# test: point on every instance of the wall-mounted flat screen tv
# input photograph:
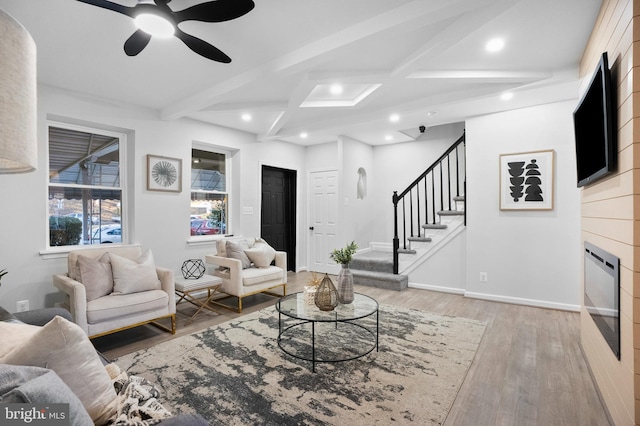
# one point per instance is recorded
(594, 122)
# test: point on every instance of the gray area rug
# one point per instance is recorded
(235, 373)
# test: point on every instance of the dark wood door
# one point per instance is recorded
(278, 223)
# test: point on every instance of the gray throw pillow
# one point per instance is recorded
(133, 276)
(236, 251)
(35, 385)
(96, 276)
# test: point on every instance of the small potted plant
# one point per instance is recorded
(344, 256)
(3, 272)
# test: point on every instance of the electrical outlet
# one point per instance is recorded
(22, 305)
(484, 277)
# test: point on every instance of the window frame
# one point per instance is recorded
(227, 178)
(122, 159)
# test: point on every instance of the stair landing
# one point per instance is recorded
(375, 269)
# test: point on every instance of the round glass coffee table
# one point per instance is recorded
(346, 333)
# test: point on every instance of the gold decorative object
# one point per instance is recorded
(326, 295)
(314, 281)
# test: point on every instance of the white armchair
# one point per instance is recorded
(108, 311)
(262, 271)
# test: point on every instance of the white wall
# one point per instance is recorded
(445, 269)
(358, 223)
(531, 257)
(158, 220)
(397, 166)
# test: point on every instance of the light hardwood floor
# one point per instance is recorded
(529, 369)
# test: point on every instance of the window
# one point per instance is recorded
(209, 196)
(85, 186)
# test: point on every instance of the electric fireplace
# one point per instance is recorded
(602, 293)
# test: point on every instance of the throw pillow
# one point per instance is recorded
(21, 384)
(261, 254)
(96, 276)
(221, 248)
(7, 316)
(14, 334)
(63, 347)
(133, 276)
(235, 250)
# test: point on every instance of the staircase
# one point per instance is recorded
(430, 210)
(375, 269)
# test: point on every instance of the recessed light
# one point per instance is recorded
(246, 117)
(431, 114)
(506, 96)
(304, 135)
(388, 138)
(336, 89)
(394, 118)
(495, 45)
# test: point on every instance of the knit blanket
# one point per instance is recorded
(137, 401)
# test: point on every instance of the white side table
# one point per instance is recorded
(186, 287)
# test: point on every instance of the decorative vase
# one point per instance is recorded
(326, 295)
(345, 285)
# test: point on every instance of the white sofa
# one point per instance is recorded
(263, 270)
(117, 310)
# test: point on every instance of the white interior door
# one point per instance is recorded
(323, 219)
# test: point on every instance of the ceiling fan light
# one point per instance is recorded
(155, 25)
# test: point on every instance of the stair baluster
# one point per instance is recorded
(458, 150)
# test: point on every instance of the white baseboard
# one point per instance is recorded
(521, 301)
(380, 246)
(497, 298)
(438, 288)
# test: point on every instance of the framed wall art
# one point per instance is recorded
(526, 180)
(164, 173)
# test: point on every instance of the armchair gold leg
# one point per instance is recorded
(171, 329)
(155, 323)
(239, 305)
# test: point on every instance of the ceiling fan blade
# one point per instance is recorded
(136, 43)
(215, 11)
(105, 4)
(202, 48)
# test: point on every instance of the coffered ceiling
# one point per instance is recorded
(309, 71)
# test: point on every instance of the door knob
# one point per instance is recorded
(311, 228)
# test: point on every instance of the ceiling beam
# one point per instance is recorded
(462, 27)
(242, 106)
(414, 13)
(485, 76)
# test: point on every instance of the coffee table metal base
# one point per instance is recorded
(286, 332)
(313, 358)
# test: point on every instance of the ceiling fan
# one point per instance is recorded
(155, 17)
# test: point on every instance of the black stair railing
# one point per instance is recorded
(438, 183)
